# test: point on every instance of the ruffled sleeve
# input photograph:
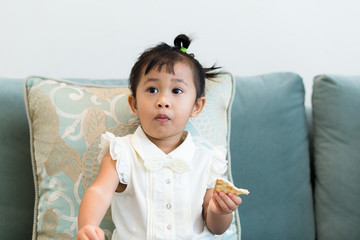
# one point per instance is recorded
(218, 165)
(117, 149)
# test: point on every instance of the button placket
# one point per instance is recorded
(169, 217)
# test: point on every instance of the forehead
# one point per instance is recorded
(179, 70)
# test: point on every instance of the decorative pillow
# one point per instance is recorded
(269, 151)
(66, 121)
(336, 118)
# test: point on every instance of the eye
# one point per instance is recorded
(152, 90)
(177, 91)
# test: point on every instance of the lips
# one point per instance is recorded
(162, 118)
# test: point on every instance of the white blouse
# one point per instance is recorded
(164, 194)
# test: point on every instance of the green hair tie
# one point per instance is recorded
(184, 50)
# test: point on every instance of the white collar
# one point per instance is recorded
(154, 158)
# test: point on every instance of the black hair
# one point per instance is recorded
(163, 55)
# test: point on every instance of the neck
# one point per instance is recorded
(167, 145)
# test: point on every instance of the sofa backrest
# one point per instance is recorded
(270, 156)
(16, 179)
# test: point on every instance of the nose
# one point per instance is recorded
(163, 102)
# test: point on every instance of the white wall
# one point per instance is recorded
(103, 38)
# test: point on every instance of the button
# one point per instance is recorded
(168, 206)
(168, 227)
(168, 181)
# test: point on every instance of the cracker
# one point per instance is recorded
(223, 185)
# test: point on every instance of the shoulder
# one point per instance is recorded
(108, 138)
(214, 156)
(118, 149)
(114, 145)
(204, 146)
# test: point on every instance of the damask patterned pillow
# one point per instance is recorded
(66, 121)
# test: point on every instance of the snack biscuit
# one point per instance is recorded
(223, 185)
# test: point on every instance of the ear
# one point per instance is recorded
(132, 104)
(198, 107)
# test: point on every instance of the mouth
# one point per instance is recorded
(162, 118)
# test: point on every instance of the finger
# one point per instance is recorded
(221, 202)
(81, 237)
(100, 233)
(236, 199)
(214, 198)
(232, 201)
(230, 204)
(93, 235)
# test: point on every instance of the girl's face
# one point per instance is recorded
(164, 102)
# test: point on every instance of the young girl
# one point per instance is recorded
(158, 180)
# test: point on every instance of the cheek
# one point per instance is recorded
(187, 108)
(143, 108)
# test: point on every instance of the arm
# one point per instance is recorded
(218, 210)
(97, 200)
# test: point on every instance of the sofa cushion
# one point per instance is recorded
(269, 151)
(16, 179)
(336, 117)
(67, 120)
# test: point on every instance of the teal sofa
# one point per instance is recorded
(301, 164)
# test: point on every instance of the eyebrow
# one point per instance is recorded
(173, 80)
